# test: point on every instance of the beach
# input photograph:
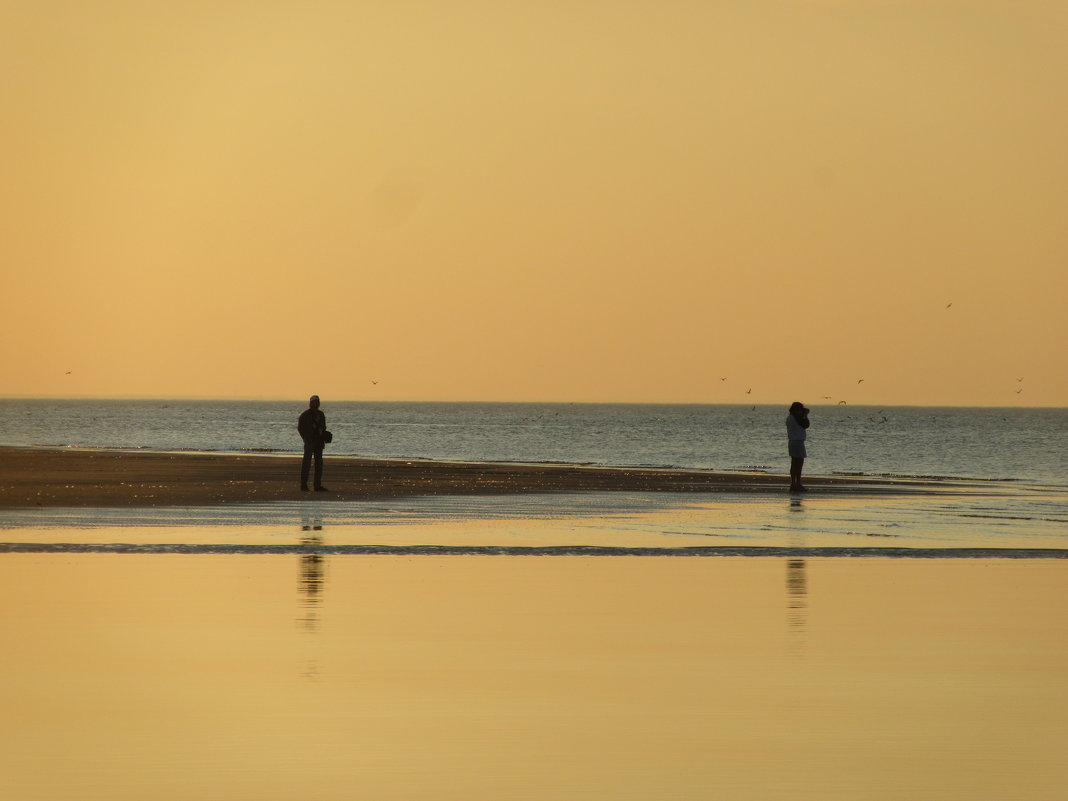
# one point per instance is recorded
(192, 624)
(85, 477)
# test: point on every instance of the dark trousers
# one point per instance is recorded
(311, 450)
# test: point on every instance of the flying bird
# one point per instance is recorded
(749, 391)
(949, 304)
(1019, 391)
(1019, 379)
(860, 380)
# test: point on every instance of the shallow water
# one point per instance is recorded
(1010, 517)
(325, 677)
(414, 648)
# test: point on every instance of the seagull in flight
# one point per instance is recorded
(860, 380)
(949, 304)
(749, 391)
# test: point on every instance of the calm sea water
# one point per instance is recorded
(1029, 445)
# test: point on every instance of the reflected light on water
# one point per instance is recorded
(530, 677)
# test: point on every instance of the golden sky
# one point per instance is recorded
(628, 200)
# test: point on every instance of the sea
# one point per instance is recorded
(999, 476)
(994, 444)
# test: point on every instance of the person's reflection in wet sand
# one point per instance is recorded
(312, 575)
(311, 583)
(796, 594)
(796, 578)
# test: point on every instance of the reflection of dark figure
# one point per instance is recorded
(797, 431)
(312, 428)
(312, 578)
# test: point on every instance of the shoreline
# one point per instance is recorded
(62, 477)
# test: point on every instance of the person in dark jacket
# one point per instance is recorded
(312, 428)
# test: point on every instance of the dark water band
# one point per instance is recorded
(547, 550)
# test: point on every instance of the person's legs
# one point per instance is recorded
(319, 468)
(305, 467)
(796, 466)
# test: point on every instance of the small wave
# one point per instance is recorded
(1025, 518)
(919, 476)
(79, 446)
(552, 550)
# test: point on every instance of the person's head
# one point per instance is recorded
(313, 402)
(797, 408)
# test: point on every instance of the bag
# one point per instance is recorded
(328, 437)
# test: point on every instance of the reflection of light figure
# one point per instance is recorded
(796, 594)
(796, 578)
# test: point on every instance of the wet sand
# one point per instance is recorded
(319, 677)
(72, 478)
(295, 660)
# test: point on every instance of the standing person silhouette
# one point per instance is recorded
(312, 428)
(797, 431)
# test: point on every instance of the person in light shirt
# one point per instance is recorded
(797, 431)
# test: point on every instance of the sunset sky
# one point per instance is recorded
(571, 201)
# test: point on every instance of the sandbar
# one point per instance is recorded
(67, 477)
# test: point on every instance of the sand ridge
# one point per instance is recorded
(84, 477)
